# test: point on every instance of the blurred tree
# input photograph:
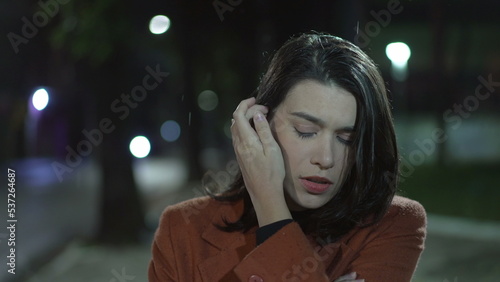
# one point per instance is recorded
(440, 90)
(188, 19)
(97, 35)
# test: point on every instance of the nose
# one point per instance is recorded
(323, 154)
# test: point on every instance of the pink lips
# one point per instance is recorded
(311, 184)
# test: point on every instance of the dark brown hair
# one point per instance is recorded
(365, 194)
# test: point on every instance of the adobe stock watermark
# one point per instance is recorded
(382, 19)
(453, 116)
(221, 179)
(221, 7)
(122, 108)
(302, 271)
(48, 10)
(121, 277)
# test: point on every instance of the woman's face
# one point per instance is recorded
(314, 127)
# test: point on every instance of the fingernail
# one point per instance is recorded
(259, 117)
(353, 274)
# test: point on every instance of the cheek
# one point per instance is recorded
(342, 163)
(344, 157)
(279, 133)
(290, 146)
(340, 156)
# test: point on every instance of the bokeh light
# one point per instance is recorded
(159, 24)
(398, 53)
(208, 100)
(140, 147)
(40, 99)
(170, 130)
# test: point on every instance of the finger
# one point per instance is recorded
(243, 106)
(245, 151)
(241, 126)
(254, 110)
(250, 112)
(243, 143)
(264, 132)
(346, 278)
(241, 110)
(246, 142)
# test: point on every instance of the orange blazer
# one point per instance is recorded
(188, 247)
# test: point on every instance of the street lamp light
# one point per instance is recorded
(140, 147)
(159, 24)
(398, 53)
(40, 99)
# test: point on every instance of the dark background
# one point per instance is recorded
(89, 53)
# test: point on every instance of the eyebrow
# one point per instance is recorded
(319, 121)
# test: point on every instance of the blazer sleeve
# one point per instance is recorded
(388, 251)
(391, 253)
(162, 266)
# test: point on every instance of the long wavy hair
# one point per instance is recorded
(366, 193)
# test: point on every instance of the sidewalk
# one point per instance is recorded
(459, 250)
(80, 262)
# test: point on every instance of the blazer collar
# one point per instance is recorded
(218, 238)
(232, 246)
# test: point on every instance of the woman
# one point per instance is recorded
(315, 197)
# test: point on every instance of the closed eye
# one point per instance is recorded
(304, 134)
(347, 142)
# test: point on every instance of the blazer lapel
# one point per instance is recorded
(227, 244)
(232, 247)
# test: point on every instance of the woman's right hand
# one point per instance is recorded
(351, 277)
(261, 162)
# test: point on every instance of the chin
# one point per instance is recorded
(313, 205)
(308, 201)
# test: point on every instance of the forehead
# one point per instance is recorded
(328, 102)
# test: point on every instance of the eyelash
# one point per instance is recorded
(345, 142)
(304, 135)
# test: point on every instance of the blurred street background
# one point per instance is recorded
(112, 110)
